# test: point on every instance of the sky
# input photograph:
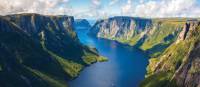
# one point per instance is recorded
(104, 8)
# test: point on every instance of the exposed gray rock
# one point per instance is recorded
(120, 27)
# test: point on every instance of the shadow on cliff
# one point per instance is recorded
(159, 48)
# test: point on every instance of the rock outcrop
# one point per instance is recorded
(178, 66)
(188, 75)
(120, 27)
(184, 32)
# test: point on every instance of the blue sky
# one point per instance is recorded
(141, 8)
(104, 8)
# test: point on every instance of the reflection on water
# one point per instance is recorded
(125, 68)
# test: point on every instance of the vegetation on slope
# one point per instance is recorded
(171, 61)
(161, 36)
(19, 50)
(161, 79)
(152, 36)
(162, 31)
(71, 68)
(90, 58)
(39, 51)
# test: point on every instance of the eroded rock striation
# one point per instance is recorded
(120, 27)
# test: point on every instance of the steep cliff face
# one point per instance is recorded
(151, 35)
(119, 28)
(23, 62)
(58, 33)
(179, 63)
(40, 51)
(162, 34)
(189, 73)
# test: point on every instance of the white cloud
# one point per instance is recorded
(96, 2)
(168, 8)
(127, 8)
(141, 1)
(112, 2)
(33, 6)
(97, 8)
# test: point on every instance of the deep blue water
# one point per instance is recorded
(126, 66)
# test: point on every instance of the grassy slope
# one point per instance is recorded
(161, 36)
(70, 67)
(167, 64)
(162, 33)
(22, 51)
(158, 35)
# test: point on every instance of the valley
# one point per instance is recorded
(60, 51)
(126, 66)
(170, 43)
(99, 43)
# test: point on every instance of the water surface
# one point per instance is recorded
(126, 66)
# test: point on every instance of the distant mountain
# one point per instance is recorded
(41, 51)
(82, 24)
(119, 27)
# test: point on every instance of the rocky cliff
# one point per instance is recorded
(40, 51)
(151, 35)
(178, 66)
(120, 27)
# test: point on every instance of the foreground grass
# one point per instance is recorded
(158, 80)
(102, 59)
(91, 58)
